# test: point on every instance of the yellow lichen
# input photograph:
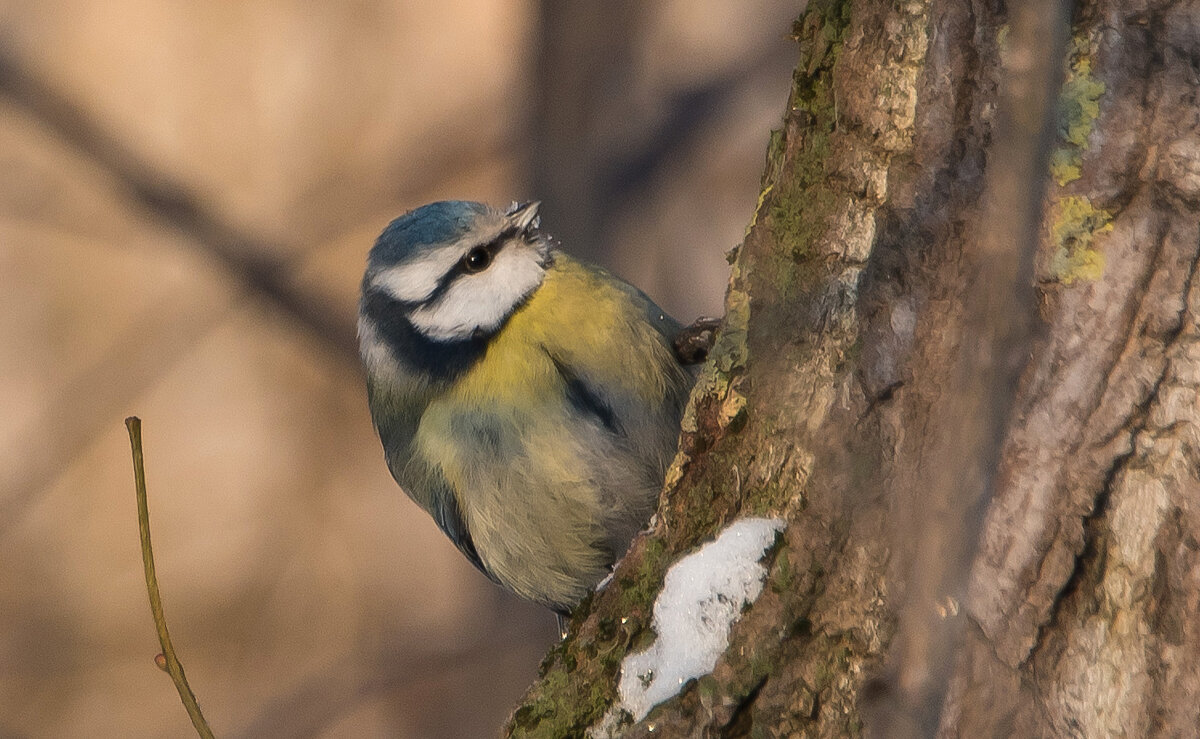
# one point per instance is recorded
(1075, 223)
(1066, 165)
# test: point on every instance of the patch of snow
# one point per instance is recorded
(702, 596)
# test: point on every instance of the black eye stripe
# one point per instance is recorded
(491, 248)
(494, 246)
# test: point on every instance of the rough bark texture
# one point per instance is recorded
(823, 399)
(1085, 595)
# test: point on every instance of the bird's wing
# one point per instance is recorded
(450, 520)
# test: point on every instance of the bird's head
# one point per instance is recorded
(443, 278)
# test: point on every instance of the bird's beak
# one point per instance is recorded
(525, 216)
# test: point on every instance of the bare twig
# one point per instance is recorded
(172, 664)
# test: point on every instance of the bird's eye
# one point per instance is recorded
(477, 260)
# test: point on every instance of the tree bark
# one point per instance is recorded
(1067, 603)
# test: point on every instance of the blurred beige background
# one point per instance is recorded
(187, 194)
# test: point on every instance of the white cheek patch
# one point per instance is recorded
(415, 281)
(481, 301)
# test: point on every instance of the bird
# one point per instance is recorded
(528, 401)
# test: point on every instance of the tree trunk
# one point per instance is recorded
(1055, 589)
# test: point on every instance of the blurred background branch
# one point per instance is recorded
(188, 198)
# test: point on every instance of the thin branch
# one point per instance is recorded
(172, 664)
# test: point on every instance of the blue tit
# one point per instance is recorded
(529, 402)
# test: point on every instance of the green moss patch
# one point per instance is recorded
(1078, 109)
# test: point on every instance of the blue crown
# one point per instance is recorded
(436, 223)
